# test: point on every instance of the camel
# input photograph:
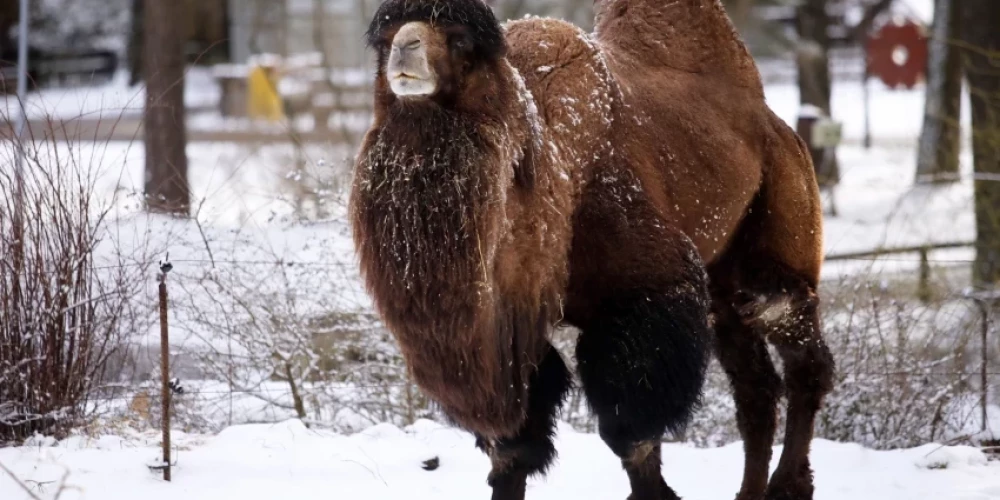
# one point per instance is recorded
(631, 183)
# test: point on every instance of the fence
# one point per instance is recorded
(397, 389)
(924, 273)
(399, 398)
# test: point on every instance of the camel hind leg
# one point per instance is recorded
(743, 355)
(782, 307)
(785, 266)
(773, 272)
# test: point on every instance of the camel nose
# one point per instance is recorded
(409, 53)
(408, 43)
(408, 69)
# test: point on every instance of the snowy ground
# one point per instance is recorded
(112, 100)
(287, 460)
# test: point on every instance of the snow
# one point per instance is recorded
(110, 101)
(288, 460)
(921, 10)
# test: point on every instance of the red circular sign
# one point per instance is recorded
(897, 54)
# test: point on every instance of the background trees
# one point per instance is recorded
(167, 189)
(980, 45)
(939, 144)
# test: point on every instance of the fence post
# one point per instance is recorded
(987, 301)
(165, 367)
(923, 287)
(984, 360)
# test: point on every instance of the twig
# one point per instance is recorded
(19, 483)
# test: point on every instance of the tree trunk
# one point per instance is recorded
(937, 159)
(167, 188)
(980, 55)
(9, 14)
(813, 61)
(135, 37)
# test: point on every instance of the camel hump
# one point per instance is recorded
(695, 36)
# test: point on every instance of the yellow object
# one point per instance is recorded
(262, 96)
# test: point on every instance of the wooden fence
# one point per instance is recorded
(923, 279)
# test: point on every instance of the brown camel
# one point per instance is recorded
(523, 176)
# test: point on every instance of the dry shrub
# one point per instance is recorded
(62, 307)
(903, 377)
(903, 373)
(299, 337)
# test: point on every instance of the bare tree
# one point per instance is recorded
(167, 189)
(937, 158)
(981, 52)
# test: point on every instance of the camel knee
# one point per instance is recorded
(786, 314)
(808, 363)
(774, 300)
(778, 314)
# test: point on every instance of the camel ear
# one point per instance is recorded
(524, 170)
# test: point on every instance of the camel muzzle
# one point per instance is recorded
(408, 69)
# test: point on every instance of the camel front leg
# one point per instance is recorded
(531, 451)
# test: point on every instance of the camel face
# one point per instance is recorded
(409, 70)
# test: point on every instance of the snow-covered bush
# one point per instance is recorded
(81, 24)
(64, 311)
(902, 378)
(299, 338)
(277, 330)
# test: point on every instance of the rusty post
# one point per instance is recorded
(983, 371)
(165, 369)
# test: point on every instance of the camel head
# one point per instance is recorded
(439, 50)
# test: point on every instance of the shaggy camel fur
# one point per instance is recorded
(521, 176)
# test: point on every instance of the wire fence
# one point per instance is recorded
(345, 386)
(353, 266)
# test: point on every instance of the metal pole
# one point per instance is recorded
(22, 66)
(868, 111)
(22, 118)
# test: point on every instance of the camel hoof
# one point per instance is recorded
(667, 493)
(791, 492)
(666, 496)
